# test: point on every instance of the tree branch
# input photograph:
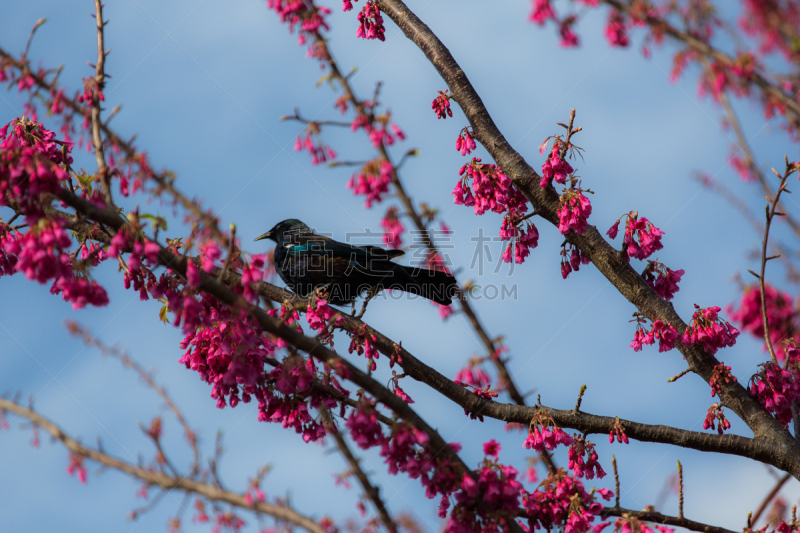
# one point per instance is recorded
(545, 202)
(370, 490)
(166, 482)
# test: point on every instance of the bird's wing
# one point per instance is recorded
(317, 245)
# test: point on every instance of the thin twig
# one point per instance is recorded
(771, 212)
(769, 497)
(100, 80)
(167, 482)
(370, 490)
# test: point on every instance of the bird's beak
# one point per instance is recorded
(267, 235)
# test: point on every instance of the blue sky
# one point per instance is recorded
(203, 84)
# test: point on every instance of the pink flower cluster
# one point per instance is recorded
(720, 376)
(765, 20)
(30, 157)
(444, 310)
(497, 489)
(573, 211)
(617, 432)
(318, 315)
(776, 388)
(441, 105)
(615, 30)
(642, 238)
(473, 375)
(365, 429)
(40, 254)
(90, 90)
(569, 39)
(576, 259)
(722, 77)
(631, 524)
(229, 350)
(543, 433)
(580, 467)
(76, 466)
(320, 153)
(370, 23)
(252, 272)
(373, 180)
(554, 168)
(309, 17)
(381, 135)
(522, 240)
(663, 332)
(663, 279)
(392, 229)
(8, 262)
(465, 143)
(780, 316)
(363, 343)
(716, 415)
(492, 449)
(562, 501)
(709, 331)
(491, 189)
(541, 11)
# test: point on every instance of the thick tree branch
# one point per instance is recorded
(311, 346)
(760, 449)
(658, 518)
(276, 327)
(545, 202)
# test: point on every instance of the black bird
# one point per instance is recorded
(307, 261)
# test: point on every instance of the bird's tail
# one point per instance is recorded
(431, 284)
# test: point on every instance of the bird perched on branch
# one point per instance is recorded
(307, 261)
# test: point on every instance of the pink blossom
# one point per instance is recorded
(615, 29)
(363, 343)
(589, 467)
(441, 105)
(444, 310)
(370, 23)
(522, 240)
(776, 388)
(541, 11)
(573, 211)
(392, 229)
(780, 316)
(492, 448)
(715, 413)
(474, 375)
(192, 275)
(76, 466)
(493, 190)
(562, 501)
(372, 181)
(572, 259)
(663, 279)
(555, 168)
(543, 433)
(569, 39)
(642, 238)
(365, 430)
(465, 143)
(709, 331)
